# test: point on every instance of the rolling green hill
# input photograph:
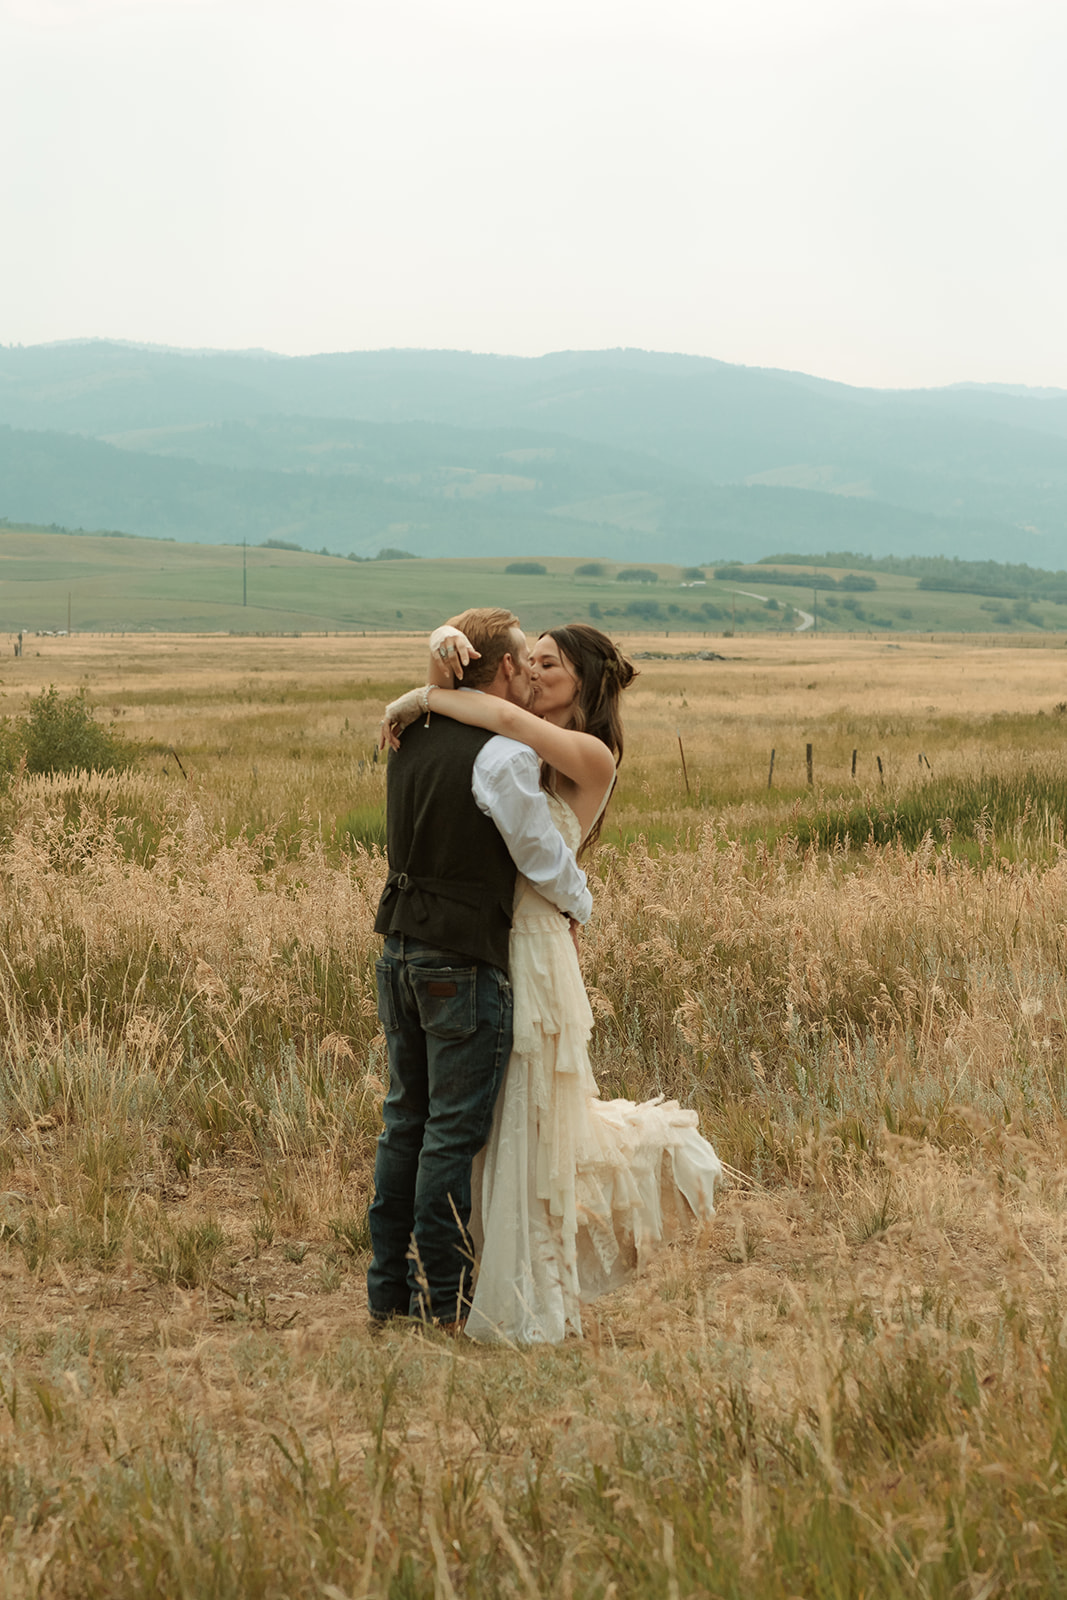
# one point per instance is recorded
(116, 584)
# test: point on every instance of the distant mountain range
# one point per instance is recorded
(622, 453)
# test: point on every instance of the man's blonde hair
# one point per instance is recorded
(489, 630)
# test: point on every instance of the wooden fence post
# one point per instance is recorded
(811, 779)
(681, 752)
(855, 753)
(881, 774)
(770, 774)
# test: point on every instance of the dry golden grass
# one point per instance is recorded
(961, 676)
(851, 1383)
(267, 728)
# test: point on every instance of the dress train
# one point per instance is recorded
(571, 1192)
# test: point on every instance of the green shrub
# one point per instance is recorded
(590, 569)
(527, 569)
(637, 575)
(60, 734)
(858, 584)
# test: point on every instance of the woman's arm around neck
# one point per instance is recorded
(580, 757)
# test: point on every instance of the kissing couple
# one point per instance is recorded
(506, 1192)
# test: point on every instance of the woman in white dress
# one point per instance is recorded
(573, 1192)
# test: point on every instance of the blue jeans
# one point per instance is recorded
(448, 1023)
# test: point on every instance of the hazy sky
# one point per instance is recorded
(871, 190)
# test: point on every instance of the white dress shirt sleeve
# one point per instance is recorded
(506, 785)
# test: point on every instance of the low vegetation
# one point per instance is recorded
(60, 733)
(951, 574)
(850, 1383)
(120, 585)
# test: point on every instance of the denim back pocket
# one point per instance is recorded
(447, 998)
(386, 995)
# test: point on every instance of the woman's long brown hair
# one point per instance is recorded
(602, 673)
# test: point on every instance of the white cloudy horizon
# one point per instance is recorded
(866, 191)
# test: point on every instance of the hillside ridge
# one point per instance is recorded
(661, 455)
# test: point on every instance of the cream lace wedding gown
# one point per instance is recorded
(571, 1191)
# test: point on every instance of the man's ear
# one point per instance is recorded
(507, 661)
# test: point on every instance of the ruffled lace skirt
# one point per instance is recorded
(571, 1191)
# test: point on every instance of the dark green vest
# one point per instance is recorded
(451, 880)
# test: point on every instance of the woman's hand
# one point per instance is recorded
(400, 714)
(452, 649)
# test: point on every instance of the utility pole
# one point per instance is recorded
(68, 611)
(244, 571)
(814, 609)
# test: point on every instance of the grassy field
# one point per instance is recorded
(852, 1383)
(112, 584)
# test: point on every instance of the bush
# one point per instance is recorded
(389, 553)
(693, 575)
(60, 734)
(637, 575)
(526, 569)
(648, 610)
(792, 580)
(591, 569)
(857, 584)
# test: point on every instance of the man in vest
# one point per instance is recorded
(465, 814)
